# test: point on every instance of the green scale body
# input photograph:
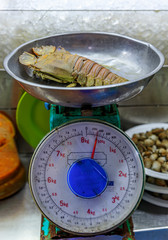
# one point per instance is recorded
(60, 115)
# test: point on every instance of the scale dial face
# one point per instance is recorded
(114, 152)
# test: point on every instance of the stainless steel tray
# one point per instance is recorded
(135, 60)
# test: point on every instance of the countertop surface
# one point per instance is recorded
(20, 218)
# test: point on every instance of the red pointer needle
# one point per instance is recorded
(93, 152)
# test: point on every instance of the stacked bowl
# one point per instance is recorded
(152, 142)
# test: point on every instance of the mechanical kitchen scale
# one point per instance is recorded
(86, 176)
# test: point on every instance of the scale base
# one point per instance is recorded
(50, 231)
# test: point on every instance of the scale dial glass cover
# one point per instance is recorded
(114, 152)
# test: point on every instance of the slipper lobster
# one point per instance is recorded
(57, 64)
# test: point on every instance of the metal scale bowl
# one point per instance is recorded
(133, 59)
(86, 175)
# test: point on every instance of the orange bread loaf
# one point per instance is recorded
(7, 130)
(9, 161)
(12, 173)
(14, 184)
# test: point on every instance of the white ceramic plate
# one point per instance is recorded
(155, 188)
(155, 200)
(145, 128)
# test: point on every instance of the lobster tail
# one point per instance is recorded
(89, 73)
